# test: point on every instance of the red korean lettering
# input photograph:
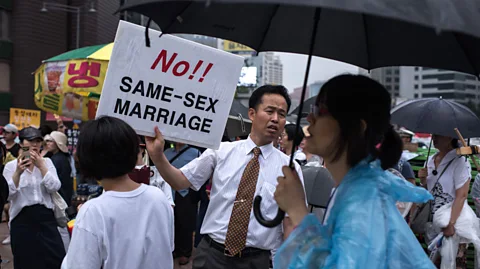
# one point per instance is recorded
(85, 75)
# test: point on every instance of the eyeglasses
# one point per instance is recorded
(61, 126)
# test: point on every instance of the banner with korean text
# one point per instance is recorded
(184, 88)
(25, 117)
(70, 88)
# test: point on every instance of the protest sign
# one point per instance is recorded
(184, 88)
(25, 117)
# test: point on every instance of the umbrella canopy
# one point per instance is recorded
(239, 109)
(307, 104)
(238, 123)
(359, 32)
(436, 116)
(70, 84)
(461, 16)
(98, 52)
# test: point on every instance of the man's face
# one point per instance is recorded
(406, 139)
(9, 136)
(269, 119)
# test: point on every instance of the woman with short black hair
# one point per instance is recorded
(362, 228)
(131, 224)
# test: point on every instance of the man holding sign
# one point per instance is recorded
(239, 170)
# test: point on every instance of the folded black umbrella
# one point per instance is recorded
(436, 116)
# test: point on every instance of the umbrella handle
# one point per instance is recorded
(258, 214)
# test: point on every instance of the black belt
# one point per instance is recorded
(248, 251)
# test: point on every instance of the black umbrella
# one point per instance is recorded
(360, 32)
(307, 106)
(238, 109)
(238, 123)
(436, 116)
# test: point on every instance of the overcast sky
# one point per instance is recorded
(322, 69)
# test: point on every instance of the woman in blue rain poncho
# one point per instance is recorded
(362, 227)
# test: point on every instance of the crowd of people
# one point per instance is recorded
(161, 201)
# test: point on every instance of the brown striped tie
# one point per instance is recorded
(238, 225)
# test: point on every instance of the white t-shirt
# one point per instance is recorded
(123, 230)
(454, 177)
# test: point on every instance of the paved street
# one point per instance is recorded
(6, 251)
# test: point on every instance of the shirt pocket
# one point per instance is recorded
(268, 206)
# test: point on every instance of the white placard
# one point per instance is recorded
(184, 88)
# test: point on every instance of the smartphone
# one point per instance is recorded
(26, 153)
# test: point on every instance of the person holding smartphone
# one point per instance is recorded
(35, 240)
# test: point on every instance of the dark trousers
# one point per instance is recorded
(35, 240)
(185, 220)
(209, 257)
(203, 197)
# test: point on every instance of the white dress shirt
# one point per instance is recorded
(227, 165)
(33, 188)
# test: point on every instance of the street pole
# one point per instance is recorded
(78, 27)
(69, 9)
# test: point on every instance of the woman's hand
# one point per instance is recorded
(22, 165)
(37, 160)
(423, 173)
(449, 230)
(290, 195)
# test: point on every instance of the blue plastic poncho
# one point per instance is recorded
(364, 228)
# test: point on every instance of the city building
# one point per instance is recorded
(267, 66)
(32, 31)
(312, 90)
(388, 77)
(423, 82)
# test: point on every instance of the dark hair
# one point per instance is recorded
(45, 130)
(107, 148)
(3, 155)
(257, 95)
(290, 131)
(349, 99)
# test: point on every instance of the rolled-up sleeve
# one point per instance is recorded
(8, 175)
(50, 181)
(200, 169)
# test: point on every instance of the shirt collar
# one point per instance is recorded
(448, 157)
(266, 149)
